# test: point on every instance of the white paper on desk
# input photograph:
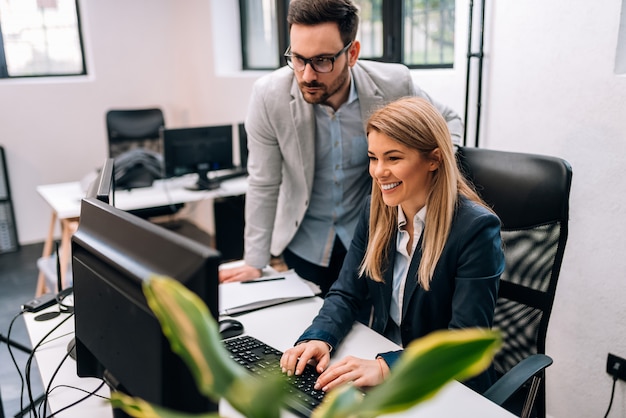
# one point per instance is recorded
(241, 297)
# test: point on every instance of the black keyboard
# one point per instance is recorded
(261, 359)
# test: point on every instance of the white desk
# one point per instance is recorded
(49, 356)
(278, 326)
(64, 200)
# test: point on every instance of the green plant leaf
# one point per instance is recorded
(194, 335)
(138, 408)
(340, 402)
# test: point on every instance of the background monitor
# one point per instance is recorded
(103, 186)
(198, 150)
(118, 338)
(243, 145)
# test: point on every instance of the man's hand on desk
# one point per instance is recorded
(239, 274)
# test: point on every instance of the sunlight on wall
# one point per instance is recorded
(620, 56)
(226, 36)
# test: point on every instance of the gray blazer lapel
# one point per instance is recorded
(370, 96)
(303, 144)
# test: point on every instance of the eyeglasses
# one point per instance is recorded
(319, 64)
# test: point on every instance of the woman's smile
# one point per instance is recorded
(390, 186)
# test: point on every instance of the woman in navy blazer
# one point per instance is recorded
(426, 254)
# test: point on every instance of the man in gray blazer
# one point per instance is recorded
(307, 158)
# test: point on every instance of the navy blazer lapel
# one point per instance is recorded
(387, 285)
(388, 278)
(412, 283)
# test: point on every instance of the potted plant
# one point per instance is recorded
(425, 366)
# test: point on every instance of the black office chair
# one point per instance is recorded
(135, 143)
(134, 128)
(530, 194)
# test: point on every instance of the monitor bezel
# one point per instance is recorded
(103, 186)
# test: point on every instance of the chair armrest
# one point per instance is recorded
(515, 378)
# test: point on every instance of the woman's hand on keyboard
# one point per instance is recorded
(295, 359)
(357, 371)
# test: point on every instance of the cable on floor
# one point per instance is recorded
(612, 395)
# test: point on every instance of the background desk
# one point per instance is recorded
(278, 326)
(64, 200)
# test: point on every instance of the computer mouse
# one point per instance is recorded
(230, 328)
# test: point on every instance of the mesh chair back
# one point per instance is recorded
(530, 194)
(134, 128)
(131, 131)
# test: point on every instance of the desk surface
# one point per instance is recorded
(278, 326)
(49, 356)
(64, 198)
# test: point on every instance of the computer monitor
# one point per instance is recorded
(198, 150)
(103, 186)
(117, 336)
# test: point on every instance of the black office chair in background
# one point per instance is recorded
(134, 128)
(135, 143)
(530, 194)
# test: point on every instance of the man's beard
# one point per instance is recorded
(328, 91)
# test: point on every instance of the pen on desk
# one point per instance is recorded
(271, 279)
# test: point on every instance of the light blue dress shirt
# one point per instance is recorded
(341, 181)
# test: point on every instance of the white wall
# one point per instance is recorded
(549, 88)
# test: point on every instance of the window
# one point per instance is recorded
(428, 33)
(259, 34)
(371, 32)
(40, 38)
(417, 33)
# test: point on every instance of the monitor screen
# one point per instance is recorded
(243, 145)
(118, 338)
(198, 150)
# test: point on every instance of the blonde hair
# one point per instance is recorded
(416, 123)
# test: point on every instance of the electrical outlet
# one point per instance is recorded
(616, 366)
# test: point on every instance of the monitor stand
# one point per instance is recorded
(204, 182)
(71, 348)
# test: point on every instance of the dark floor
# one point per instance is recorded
(18, 280)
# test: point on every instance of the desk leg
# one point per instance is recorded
(68, 227)
(47, 251)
